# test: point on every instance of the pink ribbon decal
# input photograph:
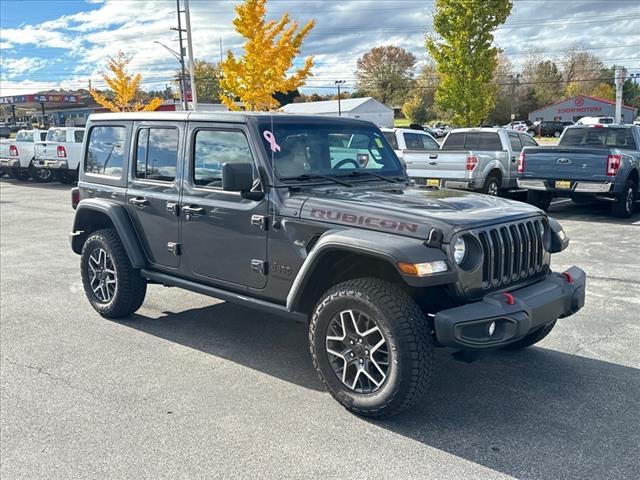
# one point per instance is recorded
(272, 141)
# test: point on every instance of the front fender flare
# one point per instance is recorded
(118, 216)
(387, 247)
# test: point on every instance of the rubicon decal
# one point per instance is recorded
(374, 222)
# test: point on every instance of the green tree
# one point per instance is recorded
(415, 110)
(465, 56)
(386, 74)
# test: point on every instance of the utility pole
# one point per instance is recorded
(183, 73)
(619, 79)
(514, 80)
(338, 84)
(194, 97)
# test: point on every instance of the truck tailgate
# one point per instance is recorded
(46, 150)
(437, 164)
(565, 163)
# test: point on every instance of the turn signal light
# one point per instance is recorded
(62, 153)
(613, 165)
(521, 163)
(13, 151)
(423, 269)
(472, 161)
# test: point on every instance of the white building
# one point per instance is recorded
(366, 108)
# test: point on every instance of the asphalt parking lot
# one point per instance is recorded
(194, 388)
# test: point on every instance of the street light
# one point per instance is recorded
(338, 84)
(180, 59)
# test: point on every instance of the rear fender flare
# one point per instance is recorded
(86, 214)
(383, 246)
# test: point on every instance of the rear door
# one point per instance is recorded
(224, 235)
(515, 145)
(153, 190)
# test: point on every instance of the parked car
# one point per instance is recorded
(380, 270)
(5, 131)
(596, 162)
(440, 130)
(595, 121)
(551, 128)
(60, 153)
(481, 159)
(19, 156)
(409, 144)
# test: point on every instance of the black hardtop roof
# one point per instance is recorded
(229, 117)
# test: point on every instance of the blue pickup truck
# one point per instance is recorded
(590, 162)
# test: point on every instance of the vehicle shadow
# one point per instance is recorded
(33, 184)
(537, 413)
(599, 212)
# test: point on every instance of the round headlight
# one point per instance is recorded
(459, 250)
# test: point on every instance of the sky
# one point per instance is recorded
(53, 44)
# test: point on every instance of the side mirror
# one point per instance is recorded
(237, 177)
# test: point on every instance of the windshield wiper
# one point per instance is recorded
(358, 173)
(314, 176)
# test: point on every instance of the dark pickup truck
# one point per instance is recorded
(591, 162)
(314, 218)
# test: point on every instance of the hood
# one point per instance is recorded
(411, 211)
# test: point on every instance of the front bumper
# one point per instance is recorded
(516, 313)
(52, 164)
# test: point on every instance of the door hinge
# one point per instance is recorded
(174, 248)
(259, 266)
(259, 221)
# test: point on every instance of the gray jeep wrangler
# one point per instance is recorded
(314, 218)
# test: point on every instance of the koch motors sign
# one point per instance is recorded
(40, 98)
(578, 107)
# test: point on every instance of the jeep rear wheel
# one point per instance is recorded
(114, 288)
(371, 347)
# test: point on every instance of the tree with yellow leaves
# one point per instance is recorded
(269, 52)
(125, 88)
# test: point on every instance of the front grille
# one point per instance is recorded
(512, 252)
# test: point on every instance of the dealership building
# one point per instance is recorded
(574, 108)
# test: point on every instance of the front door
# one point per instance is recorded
(153, 193)
(224, 235)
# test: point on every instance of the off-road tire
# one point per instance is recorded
(491, 186)
(623, 205)
(40, 175)
(407, 333)
(131, 288)
(532, 338)
(542, 200)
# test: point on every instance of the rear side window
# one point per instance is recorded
(214, 148)
(413, 141)
(391, 138)
(105, 152)
(429, 143)
(489, 141)
(78, 136)
(527, 141)
(56, 135)
(455, 141)
(157, 154)
(515, 143)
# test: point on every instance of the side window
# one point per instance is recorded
(391, 138)
(527, 141)
(78, 136)
(428, 143)
(514, 140)
(157, 154)
(214, 148)
(413, 141)
(43, 136)
(455, 141)
(105, 151)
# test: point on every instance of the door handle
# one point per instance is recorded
(433, 163)
(139, 202)
(513, 159)
(193, 210)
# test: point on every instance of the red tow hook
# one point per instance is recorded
(509, 298)
(568, 277)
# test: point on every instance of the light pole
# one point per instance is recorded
(514, 81)
(180, 59)
(338, 84)
(192, 72)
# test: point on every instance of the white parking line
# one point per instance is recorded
(564, 200)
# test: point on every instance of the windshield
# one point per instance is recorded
(599, 137)
(327, 148)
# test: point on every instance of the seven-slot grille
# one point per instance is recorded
(512, 252)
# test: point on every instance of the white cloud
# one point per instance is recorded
(11, 67)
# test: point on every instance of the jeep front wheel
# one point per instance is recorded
(114, 288)
(371, 347)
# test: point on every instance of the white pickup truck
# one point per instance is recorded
(17, 156)
(480, 159)
(410, 145)
(61, 152)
